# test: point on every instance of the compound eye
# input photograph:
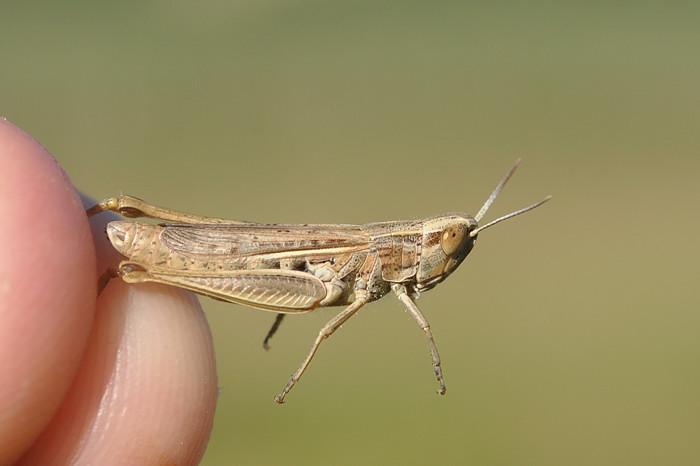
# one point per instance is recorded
(452, 238)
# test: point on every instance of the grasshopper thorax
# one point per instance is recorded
(447, 240)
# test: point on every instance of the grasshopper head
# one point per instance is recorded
(448, 239)
(446, 242)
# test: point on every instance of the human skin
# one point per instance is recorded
(128, 377)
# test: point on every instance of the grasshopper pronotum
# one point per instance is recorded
(290, 268)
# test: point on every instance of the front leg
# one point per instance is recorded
(403, 296)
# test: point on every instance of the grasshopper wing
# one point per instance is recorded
(271, 289)
(248, 240)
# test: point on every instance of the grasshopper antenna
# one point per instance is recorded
(476, 231)
(496, 191)
(493, 197)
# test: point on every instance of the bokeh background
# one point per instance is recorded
(569, 336)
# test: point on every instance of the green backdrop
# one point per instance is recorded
(569, 336)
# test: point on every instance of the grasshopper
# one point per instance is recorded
(295, 268)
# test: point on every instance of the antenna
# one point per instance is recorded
(476, 231)
(493, 197)
(496, 191)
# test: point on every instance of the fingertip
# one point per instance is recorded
(47, 292)
(146, 391)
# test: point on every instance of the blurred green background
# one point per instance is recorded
(569, 336)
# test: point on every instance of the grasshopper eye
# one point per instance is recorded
(452, 238)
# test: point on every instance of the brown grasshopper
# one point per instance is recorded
(290, 268)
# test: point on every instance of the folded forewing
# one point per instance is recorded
(254, 239)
